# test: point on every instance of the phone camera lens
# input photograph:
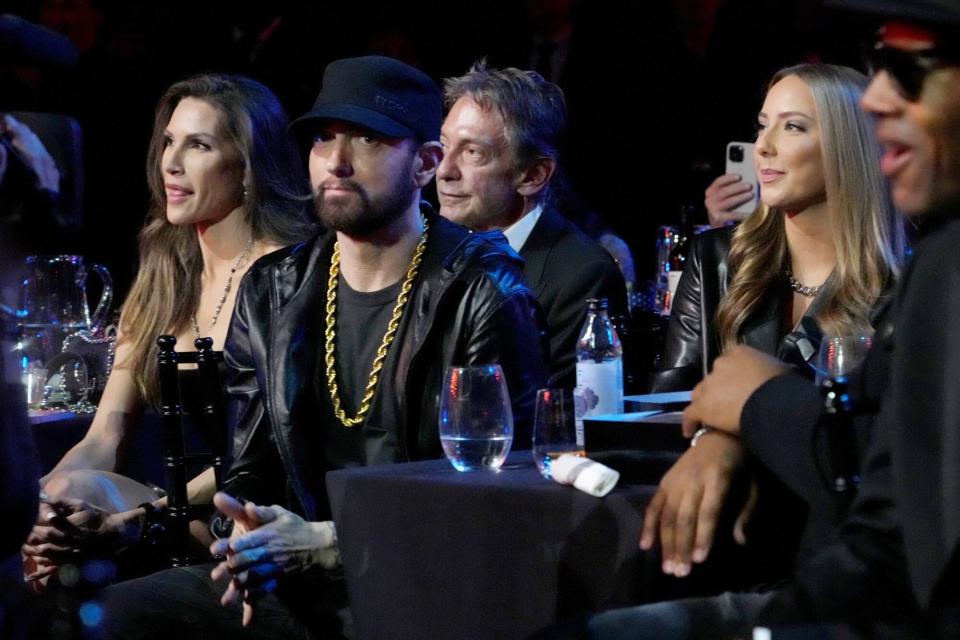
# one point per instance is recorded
(736, 153)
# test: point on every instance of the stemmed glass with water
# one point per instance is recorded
(476, 419)
(840, 355)
(837, 357)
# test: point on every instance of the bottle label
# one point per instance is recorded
(673, 279)
(599, 390)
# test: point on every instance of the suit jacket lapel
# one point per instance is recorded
(538, 246)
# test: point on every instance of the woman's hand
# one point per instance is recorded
(688, 502)
(67, 528)
(725, 194)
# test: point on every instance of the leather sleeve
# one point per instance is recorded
(681, 366)
(247, 421)
(507, 327)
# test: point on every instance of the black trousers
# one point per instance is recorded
(178, 604)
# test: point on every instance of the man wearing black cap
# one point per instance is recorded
(894, 569)
(336, 354)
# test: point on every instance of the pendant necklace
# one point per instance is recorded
(240, 261)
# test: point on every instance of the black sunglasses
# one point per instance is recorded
(908, 69)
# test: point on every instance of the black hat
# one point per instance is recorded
(379, 93)
(939, 14)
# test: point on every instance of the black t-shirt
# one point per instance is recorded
(361, 321)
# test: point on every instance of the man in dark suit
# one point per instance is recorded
(501, 143)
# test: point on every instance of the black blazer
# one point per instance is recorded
(563, 268)
(894, 569)
(692, 343)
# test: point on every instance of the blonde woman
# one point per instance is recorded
(818, 255)
(227, 187)
(816, 259)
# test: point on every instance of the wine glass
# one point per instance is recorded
(476, 420)
(554, 429)
(840, 355)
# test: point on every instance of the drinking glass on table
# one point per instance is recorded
(476, 420)
(554, 429)
(838, 356)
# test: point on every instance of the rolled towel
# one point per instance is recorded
(585, 474)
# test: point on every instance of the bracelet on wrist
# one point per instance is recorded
(152, 524)
(699, 433)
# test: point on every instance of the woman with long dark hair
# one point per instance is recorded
(227, 186)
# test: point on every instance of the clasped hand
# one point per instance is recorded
(67, 527)
(266, 544)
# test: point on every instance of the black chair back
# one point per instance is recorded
(176, 460)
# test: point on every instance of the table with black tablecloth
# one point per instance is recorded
(430, 552)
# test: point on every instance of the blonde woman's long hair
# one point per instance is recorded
(868, 234)
(276, 206)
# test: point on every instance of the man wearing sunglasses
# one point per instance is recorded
(894, 569)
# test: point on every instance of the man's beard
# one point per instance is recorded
(364, 216)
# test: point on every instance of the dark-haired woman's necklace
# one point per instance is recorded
(241, 259)
(803, 290)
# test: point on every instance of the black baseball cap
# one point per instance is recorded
(382, 94)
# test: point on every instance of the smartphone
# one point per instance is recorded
(740, 161)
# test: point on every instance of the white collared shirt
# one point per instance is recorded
(519, 231)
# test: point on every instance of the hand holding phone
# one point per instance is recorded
(735, 195)
(26, 162)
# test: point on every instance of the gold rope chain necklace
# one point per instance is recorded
(331, 332)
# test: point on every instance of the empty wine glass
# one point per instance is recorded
(476, 420)
(840, 355)
(554, 429)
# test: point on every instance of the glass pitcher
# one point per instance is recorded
(54, 294)
(53, 306)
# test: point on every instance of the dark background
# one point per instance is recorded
(655, 88)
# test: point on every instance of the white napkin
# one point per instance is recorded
(585, 474)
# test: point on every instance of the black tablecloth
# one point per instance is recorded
(430, 552)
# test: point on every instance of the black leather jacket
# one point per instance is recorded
(692, 343)
(469, 305)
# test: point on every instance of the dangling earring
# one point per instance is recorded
(243, 192)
